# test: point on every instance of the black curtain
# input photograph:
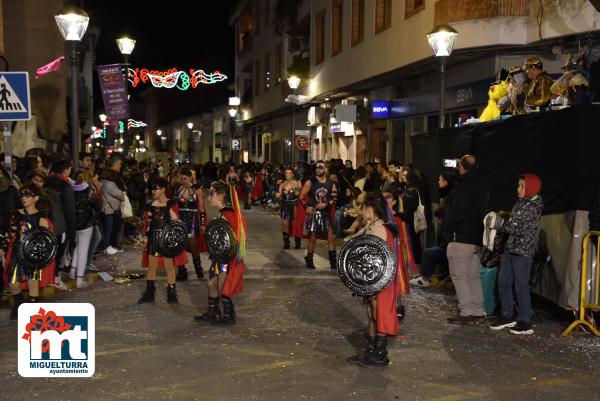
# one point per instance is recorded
(562, 147)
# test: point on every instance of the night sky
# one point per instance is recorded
(182, 34)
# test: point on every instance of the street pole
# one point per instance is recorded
(75, 136)
(293, 132)
(190, 147)
(126, 142)
(7, 148)
(442, 116)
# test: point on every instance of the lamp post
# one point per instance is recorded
(126, 46)
(72, 24)
(294, 83)
(190, 125)
(441, 40)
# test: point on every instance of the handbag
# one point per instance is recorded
(419, 217)
(126, 209)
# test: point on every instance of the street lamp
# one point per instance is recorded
(232, 112)
(190, 126)
(72, 24)
(293, 83)
(441, 40)
(126, 47)
(159, 132)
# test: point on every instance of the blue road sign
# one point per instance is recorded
(15, 102)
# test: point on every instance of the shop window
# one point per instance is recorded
(277, 72)
(320, 37)
(358, 21)
(337, 27)
(257, 77)
(412, 7)
(267, 72)
(383, 15)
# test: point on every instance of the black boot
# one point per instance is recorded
(182, 274)
(148, 295)
(172, 294)
(198, 268)
(286, 241)
(212, 314)
(298, 241)
(332, 260)
(228, 312)
(309, 261)
(379, 356)
(14, 313)
(359, 357)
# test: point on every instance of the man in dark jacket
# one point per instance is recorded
(465, 209)
(373, 182)
(62, 199)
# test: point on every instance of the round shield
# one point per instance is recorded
(220, 241)
(366, 265)
(36, 248)
(172, 239)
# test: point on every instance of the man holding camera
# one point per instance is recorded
(466, 206)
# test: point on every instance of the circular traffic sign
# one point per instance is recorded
(302, 142)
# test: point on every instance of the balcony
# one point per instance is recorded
(447, 11)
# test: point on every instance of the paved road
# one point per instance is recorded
(295, 329)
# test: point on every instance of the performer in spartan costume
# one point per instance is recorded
(318, 199)
(17, 274)
(225, 279)
(190, 201)
(288, 196)
(381, 307)
(157, 216)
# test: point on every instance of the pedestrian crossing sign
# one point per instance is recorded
(14, 96)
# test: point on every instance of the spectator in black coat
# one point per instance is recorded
(466, 207)
(373, 182)
(62, 200)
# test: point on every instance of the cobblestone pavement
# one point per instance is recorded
(295, 328)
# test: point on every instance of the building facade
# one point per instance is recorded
(374, 54)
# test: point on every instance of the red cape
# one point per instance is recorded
(234, 283)
(387, 319)
(257, 192)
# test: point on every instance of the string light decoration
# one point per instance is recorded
(173, 78)
(131, 123)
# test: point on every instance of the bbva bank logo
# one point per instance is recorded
(57, 340)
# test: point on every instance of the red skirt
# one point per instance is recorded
(179, 260)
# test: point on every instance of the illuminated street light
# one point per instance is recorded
(72, 24)
(441, 40)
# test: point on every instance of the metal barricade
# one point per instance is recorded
(589, 285)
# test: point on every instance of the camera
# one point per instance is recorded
(452, 163)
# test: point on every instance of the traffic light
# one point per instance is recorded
(121, 127)
(103, 134)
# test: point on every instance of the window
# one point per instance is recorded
(383, 15)
(358, 21)
(267, 72)
(337, 27)
(257, 77)
(268, 11)
(320, 37)
(257, 16)
(277, 72)
(411, 7)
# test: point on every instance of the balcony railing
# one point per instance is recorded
(463, 10)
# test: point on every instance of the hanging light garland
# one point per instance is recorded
(131, 123)
(173, 78)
